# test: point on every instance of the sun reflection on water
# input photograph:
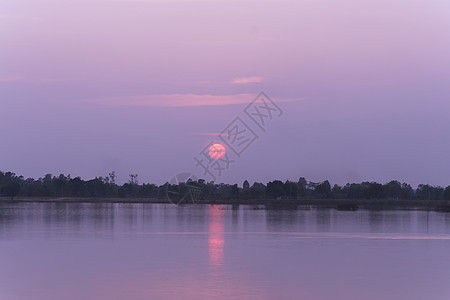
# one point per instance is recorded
(216, 241)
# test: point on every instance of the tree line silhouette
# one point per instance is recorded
(12, 186)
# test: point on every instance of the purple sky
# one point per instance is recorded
(87, 87)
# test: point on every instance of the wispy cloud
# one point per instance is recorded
(213, 133)
(208, 133)
(174, 100)
(245, 80)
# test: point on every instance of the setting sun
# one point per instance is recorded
(217, 151)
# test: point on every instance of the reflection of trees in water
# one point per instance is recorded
(404, 221)
(194, 218)
(11, 217)
(375, 220)
(235, 216)
(323, 219)
(79, 219)
(277, 220)
(298, 220)
(252, 219)
(330, 220)
(447, 222)
(391, 221)
(147, 214)
(129, 214)
(56, 219)
(423, 222)
(101, 219)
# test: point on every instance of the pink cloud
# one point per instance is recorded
(245, 80)
(178, 100)
(174, 100)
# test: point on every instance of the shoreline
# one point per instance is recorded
(284, 204)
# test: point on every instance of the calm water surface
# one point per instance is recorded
(156, 251)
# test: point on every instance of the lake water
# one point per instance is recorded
(157, 251)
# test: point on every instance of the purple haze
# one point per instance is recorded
(87, 87)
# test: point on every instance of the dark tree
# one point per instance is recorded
(323, 189)
(393, 189)
(447, 193)
(59, 184)
(112, 176)
(290, 189)
(301, 191)
(133, 179)
(11, 189)
(373, 190)
(353, 190)
(246, 185)
(75, 187)
(407, 191)
(337, 192)
(428, 192)
(65, 186)
(235, 191)
(275, 189)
